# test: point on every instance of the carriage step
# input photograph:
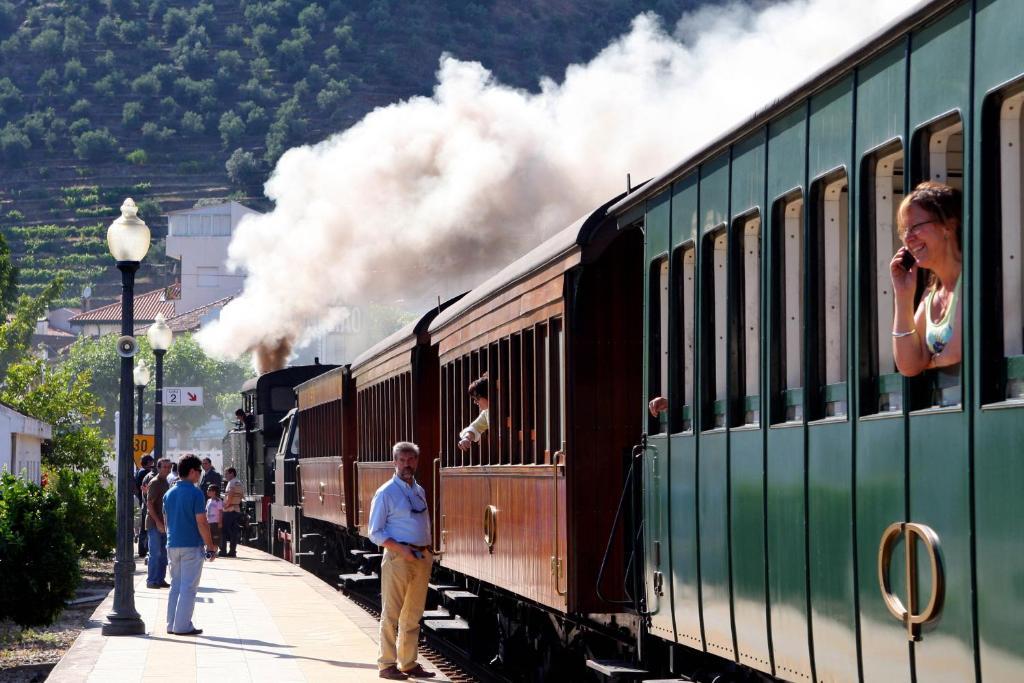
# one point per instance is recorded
(441, 587)
(456, 624)
(439, 613)
(356, 552)
(615, 669)
(681, 679)
(351, 579)
(459, 595)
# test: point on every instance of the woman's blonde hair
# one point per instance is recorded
(938, 199)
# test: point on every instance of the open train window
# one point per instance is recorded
(829, 218)
(684, 274)
(714, 328)
(1002, 311)
(787, 303)
(882, 173)
(747, 232)
(658, 339)
(938, 156)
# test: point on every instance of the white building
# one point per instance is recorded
(21, 443)
(199, 238)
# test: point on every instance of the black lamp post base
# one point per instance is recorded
(116, 625)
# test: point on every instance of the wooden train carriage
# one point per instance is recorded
(325, 433)
(396, 400)
(795, 465)
(530, 508)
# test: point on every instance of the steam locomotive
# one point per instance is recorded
(801, 511)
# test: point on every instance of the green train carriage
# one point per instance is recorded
(791, 445)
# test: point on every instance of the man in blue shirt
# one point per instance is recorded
(187, 532)
(400, 522)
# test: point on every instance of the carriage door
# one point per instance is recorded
(656, 458)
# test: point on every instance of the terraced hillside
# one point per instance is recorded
(177, 102)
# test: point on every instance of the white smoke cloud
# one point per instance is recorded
(428, 196)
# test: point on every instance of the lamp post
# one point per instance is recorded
(128, 241)
(141, 376)
(160, 338)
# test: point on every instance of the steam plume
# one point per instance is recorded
(430, 195)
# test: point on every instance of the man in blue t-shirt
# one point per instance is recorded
(187, 532)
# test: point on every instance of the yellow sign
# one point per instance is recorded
(143, 444)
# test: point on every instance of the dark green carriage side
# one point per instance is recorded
(942, 450)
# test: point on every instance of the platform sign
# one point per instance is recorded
(183, 396)
(143, 445)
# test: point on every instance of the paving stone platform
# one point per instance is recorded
(263, 619)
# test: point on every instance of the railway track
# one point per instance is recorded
(447, 658)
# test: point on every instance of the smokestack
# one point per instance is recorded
(272, 357)
(434, 194)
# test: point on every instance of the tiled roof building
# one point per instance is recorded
(107, 319)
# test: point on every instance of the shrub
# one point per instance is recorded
(107, 30)
(152, 133)
(234, 34)
(192, 90)
(47, 44)
(34, 124)
(40, 567)
(131, 113)
(137, 157)
(231, 128)
(106, 61)
(243, 169)
(95, 145)
(108, 86)
(150, 208)
(264, 39)
(14, 144)
(176, 23)
(80, 107)
(79, 126)
(15, 215)
(231, 61)
(257, 121)
(131, 32)
(333, 94)
(90, 505)
(191, 122)
(312, 18)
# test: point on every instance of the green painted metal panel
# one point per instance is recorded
(713, 461)
(830, 443)
(881, 99)
(746, 470)
(940, 67)
(746, 447)
(784, 465)
(880, 455)
(938, 457)
(787, 140)
(998, 430)
(881, 500)
(656, 459)
(683, 453)
(830, 516)
(831, 128)
(748, 173)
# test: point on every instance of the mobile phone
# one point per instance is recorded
(907, 260)
(209, 555)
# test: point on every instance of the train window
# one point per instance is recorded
(527, 434)
(714, 287)
(747, 230)
(685, 274)
(556, 373)
(830, 202)
(787, 303)
(540, 341)
(939, 157)
(658, 341)
(1002, 332)
(883, 191)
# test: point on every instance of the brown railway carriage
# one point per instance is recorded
(396, 400)
(327, 452)
(530, 509)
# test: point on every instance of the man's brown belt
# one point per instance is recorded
(417, 547)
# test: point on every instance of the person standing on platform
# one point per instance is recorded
(156, 525)
(214, 513)
(140, 496)
(187, 533)
(232, 513)
(211, 477)
(399, 522)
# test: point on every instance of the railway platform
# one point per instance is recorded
(263, 619)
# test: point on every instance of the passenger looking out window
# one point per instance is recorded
(929, 226)
(658, 404)
(478, 394)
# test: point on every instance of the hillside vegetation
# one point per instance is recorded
(179, 102)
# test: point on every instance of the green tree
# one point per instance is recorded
(243, 168)
(49, 82)
(73, 70)
(14, 144)
(48, 44)
(10, 96)
(146, 84)
(176, 23)
(131, 113)
(95, 145)
(20, 322)
(59, 395)
(191, 122)
(231, 128)
(333, 94)
(312, 18)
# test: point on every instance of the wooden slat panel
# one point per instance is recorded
(326, 471)
(322, 389)
(488, 336)
(391, 363)
(370, 476)
(525, 497)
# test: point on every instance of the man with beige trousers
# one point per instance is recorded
(400, 522)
